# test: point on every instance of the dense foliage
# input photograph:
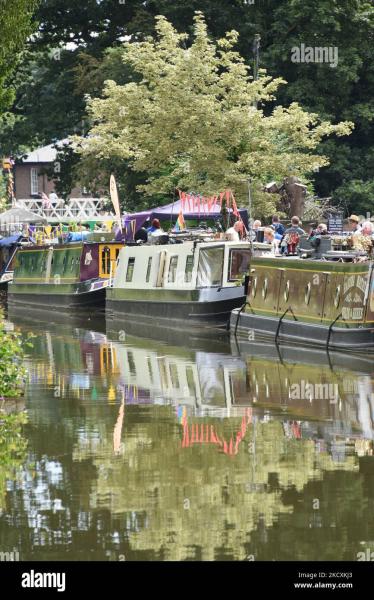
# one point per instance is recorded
(77, 48)
(12, 443)
(11, 355)
(195, 120)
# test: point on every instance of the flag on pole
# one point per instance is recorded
(235, 208)
(115, 200)
(180, 224)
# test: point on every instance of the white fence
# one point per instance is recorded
(76, 209)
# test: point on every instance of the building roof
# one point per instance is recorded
(46, 154)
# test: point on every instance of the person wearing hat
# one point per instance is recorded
(354, 225)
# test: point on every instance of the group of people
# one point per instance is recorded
(365, 228)
(149, 232)
(283, 240)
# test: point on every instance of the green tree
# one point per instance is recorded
(11, 356)
(196, 119)
(15, 27)
(50, 93)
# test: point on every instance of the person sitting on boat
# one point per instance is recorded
(141, 236)
(155, 231)
(155, 225)
(295, 227)
(291, 236)
(354, 225)
(277, 225)
(233, 233)
(367, 228)
(256, 232)
(315, 235)
(273, 238)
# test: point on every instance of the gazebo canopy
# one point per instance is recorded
(191, 210)
(19, 216)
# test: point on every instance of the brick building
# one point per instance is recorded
(30, 177)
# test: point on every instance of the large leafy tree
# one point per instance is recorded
(195, 119)
(83, 32)
(15, 27)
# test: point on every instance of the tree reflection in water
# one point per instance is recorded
(142, 450)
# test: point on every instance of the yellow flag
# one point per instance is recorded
(115, 199)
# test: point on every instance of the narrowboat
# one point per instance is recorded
(327, 301)
(194, 283)
(8, 249)
(63, 276)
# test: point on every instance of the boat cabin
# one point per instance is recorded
(182, 266)
(191, 282)
(67, 263)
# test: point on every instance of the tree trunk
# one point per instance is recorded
(295, 191)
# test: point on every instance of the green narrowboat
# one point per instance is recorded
(323, 302)
(63, 276)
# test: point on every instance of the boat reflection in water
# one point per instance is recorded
(190, 450)
(327, 395)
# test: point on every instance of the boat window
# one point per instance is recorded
(210, 269)
(105, 261)
(117, 252)
(189, 268)
(150, 371)
(172, 269)
(238, 263)
(131, 363)
(72, 265)
(130, 269)
(149, 266)
(191, 382)
(174, 376)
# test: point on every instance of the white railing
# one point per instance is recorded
(75, 209)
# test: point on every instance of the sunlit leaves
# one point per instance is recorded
(195, 118)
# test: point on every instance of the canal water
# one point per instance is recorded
(154, 445)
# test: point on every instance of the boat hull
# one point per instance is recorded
(309, 302)
(255, 328)
(72, 299)
(183, 312)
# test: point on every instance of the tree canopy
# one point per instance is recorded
(195, 119)
(78, 47)
(15, 27)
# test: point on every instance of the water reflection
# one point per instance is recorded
(190, 449)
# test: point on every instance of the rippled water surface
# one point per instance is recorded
(184, 448)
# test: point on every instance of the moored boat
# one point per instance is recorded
(194, 283)
(63, 276)
(8, 249)
(327, 302)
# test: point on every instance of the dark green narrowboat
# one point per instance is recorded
(326, 303)
(63, 276)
